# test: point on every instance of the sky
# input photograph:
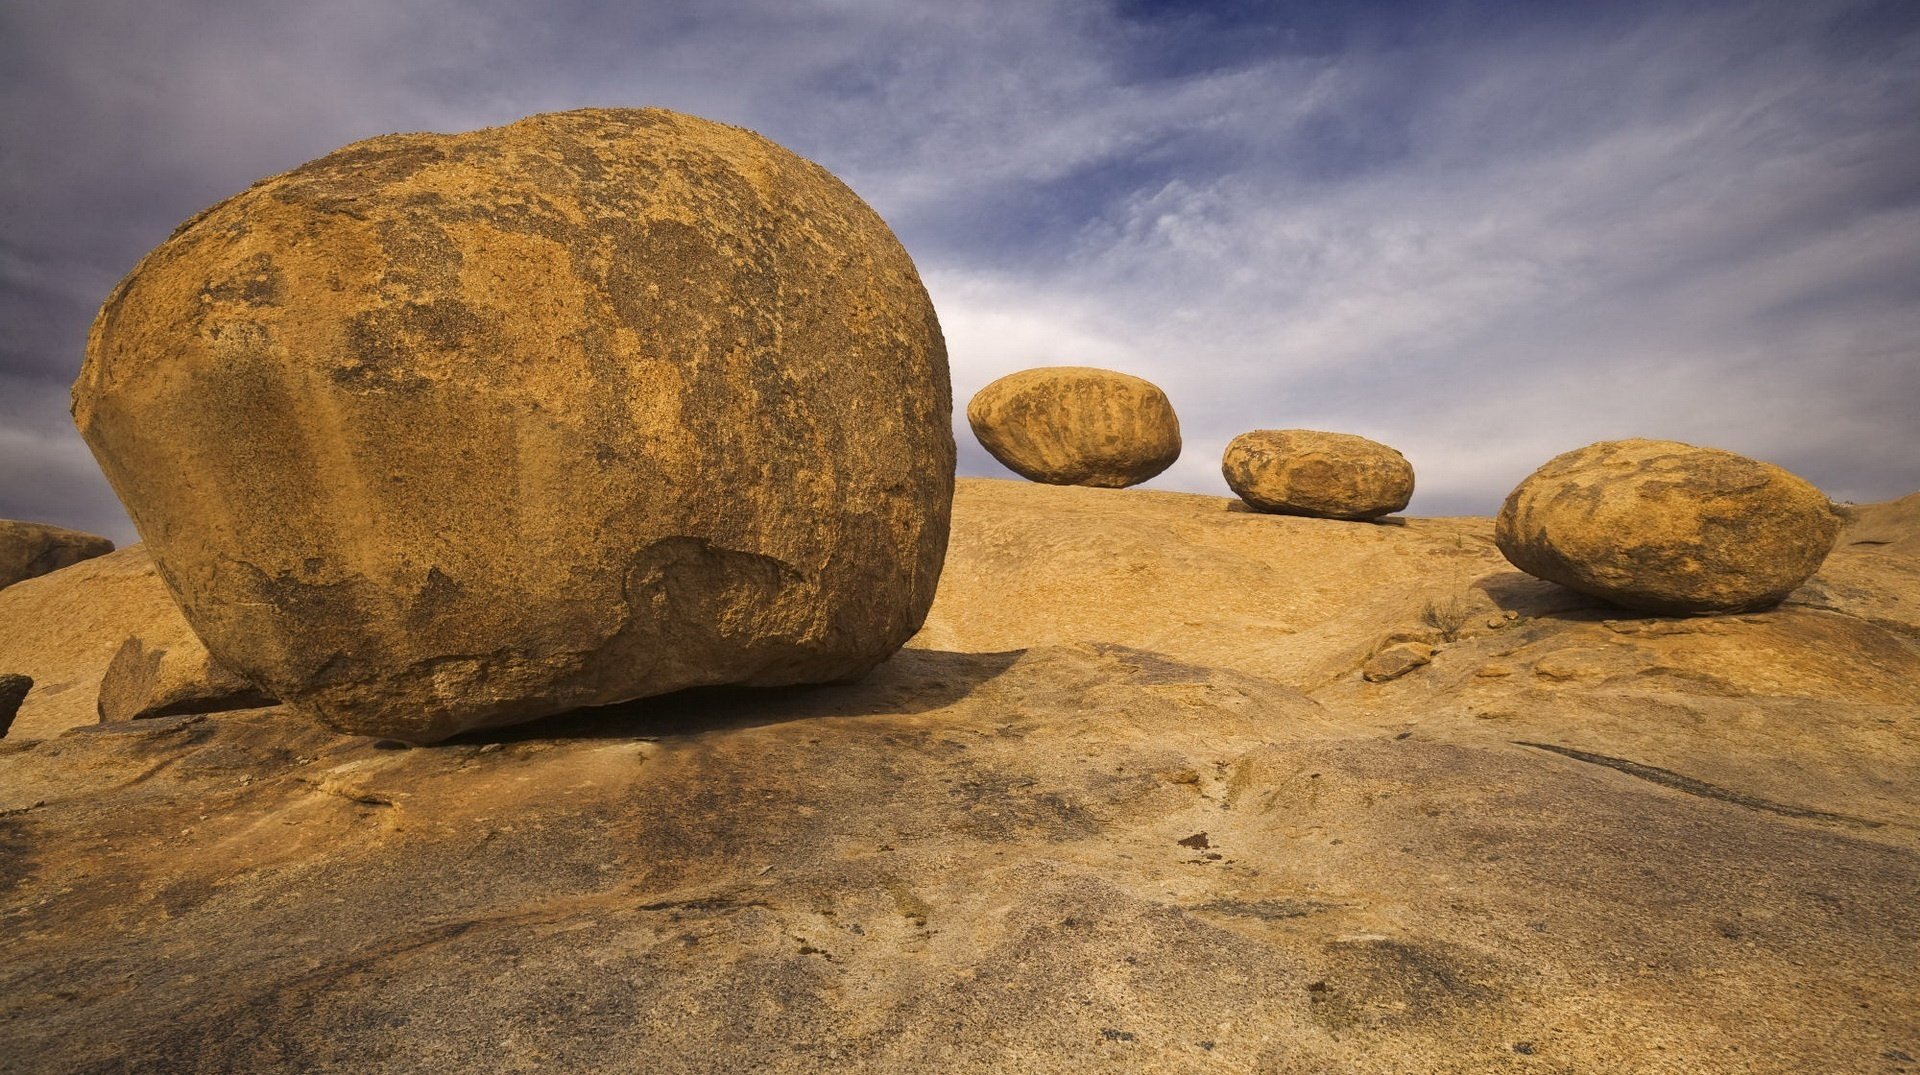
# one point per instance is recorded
(1482, 233)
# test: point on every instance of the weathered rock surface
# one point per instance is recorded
(143, 681)
(1652, 844)
(1323, 475)
(447, 431)
(65, 629)
(1662, 526)
(1076, 425)
(31, 549)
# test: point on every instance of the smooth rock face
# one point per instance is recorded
(1667, 527)
(28, 550)
(447, 431)
(1076, 425)
(1171, 830)
(1323, 475)
(69, 629)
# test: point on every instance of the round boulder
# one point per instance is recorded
(440, 432)
(1666, 527)
(1076, 425)
(1323, 475)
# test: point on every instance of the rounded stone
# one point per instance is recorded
(440, 432)
(1077, 425)
(1667, 527)
(1322, 475)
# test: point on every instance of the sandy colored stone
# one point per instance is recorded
(142, 681)
(64, 629)
(31, 549)
(1667, 527)
(447, 431)
(1077, 425)
(1322, 475)
(1396, 660)
(1004, 853)
(1891, 525)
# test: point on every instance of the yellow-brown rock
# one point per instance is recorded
(447, 431)
(68, 629)
(1322, 475)
(1167, 828)
(1667, 527)
(28, 550)
(1076, 425)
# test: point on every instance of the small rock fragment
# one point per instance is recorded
(1396, 660)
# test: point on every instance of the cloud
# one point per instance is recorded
(1484, 233)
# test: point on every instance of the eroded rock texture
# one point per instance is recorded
(446, 431)
(28, 550)
(1323, 475)
(1076, 425)
(1662, 526)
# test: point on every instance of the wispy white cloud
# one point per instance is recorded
(1482, 234)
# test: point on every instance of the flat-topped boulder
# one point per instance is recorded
(1321, 475)
(1077, 425)
(1668, 527)
(440, 432)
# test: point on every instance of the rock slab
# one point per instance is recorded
(68, 629)
(448, 431)
(1320, 475)
(1077, 425)
(28, 550)
(1667, 527)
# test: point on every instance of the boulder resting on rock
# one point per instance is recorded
(1077, 425)
(1321, 475)
(28, 550)
(1667, 527)
(440, 432)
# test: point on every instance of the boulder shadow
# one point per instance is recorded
(911, 681)
(1241, 507)
(1538, 599)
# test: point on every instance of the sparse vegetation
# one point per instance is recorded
(1445, 617)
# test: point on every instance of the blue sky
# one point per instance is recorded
(1482, 233)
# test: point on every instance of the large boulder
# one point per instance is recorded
(1322, 475)
(448, 431)
(28, 550)
(1667, 527)
(1076, 425)
(76, 631)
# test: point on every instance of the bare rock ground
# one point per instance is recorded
(1128, 803)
